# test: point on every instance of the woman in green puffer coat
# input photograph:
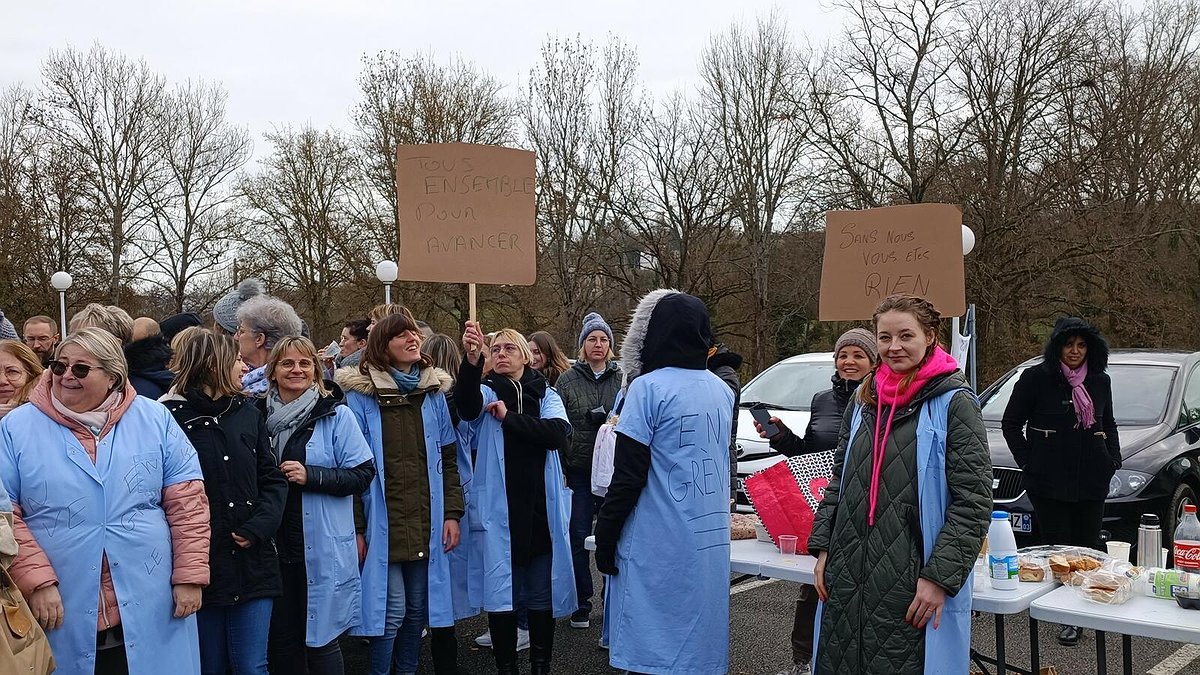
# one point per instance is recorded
(887, 591)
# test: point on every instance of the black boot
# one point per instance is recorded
(541, 641)
(444, 646)
(1068, 636)
(503, 626)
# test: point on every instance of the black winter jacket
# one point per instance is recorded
(824, 422)
(724, 364)
(1059, 460)
(328, 480)
(582, 392)
(527, 439)
(246, 493)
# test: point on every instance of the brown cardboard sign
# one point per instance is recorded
(466, 214)
(914, 249)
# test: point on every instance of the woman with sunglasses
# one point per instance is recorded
(519, 423)
(110, 515)
(322, 453)
(20, 369)
(245, 491)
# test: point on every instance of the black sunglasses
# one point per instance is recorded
(79, 370)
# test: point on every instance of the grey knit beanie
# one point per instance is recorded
(7, 330)
(858, 337)
(594, 322)
(225, 311)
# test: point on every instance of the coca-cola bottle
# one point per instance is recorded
(1187, 541)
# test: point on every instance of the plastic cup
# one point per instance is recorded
(787, 544)
(1118, 550)
(1162, 560)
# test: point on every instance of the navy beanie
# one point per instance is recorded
(594, 322)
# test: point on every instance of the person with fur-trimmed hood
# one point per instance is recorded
(672, 464)
(414, 504)
(1060, 428)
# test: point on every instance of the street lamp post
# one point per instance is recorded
(61, 281)
(968, 245)
(386, 271)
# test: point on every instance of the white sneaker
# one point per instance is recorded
(485, 640)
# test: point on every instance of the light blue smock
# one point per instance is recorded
(330, 545)
(466, 560)
(947, 647)
(439, 432)
(78, 510)
(669, 603)
(488, 515)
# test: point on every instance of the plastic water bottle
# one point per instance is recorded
(1003, 562)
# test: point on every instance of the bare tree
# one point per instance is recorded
(300, 230)
(415, 99)
(191, 225)
(752, 81)
(884, 111)
(581, 112)
(106, 108)
(674, 209)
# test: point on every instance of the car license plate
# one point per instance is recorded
(1021, 522)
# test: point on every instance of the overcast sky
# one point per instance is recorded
(297, 61)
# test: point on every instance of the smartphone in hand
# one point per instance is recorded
(763, 417)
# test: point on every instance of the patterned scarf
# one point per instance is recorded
(254, 383)
(284, 418)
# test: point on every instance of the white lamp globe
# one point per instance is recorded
(386, 271)
(968, 240)
(61, 281)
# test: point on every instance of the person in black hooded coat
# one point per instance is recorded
(1067, 464)
(148, 372)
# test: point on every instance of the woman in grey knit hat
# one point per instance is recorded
(854, 355)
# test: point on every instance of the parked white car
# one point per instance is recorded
(786, 389)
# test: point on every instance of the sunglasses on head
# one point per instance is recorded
(79, 370)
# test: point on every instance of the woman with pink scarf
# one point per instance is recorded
(1060, 428)
(904, 517)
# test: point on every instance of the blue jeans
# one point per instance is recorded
(583, 511)
(531, 584)
(234, 637)
(405, 617)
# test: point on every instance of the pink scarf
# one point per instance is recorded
(887, 392)
(95, 420)
(1085, 410)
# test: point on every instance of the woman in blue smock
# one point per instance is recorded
(414, 505)
(110, 516)
(326, 460)
(522, 512)
(667, 607)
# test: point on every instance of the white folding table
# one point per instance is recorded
(1142, 616)
(1004, 603)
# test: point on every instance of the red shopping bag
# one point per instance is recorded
(786, 495)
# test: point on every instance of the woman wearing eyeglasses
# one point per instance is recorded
(19, 370)
(519, 423)
(326, 460)
(110, 515)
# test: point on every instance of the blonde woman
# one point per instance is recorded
(20, 369)
(519, 424)
(110, 514)
(322, 453)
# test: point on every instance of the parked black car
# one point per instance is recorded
(1156, 402)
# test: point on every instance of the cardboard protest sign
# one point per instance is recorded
(871, 254)
(466, 214)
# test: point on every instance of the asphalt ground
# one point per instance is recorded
(761, 614)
